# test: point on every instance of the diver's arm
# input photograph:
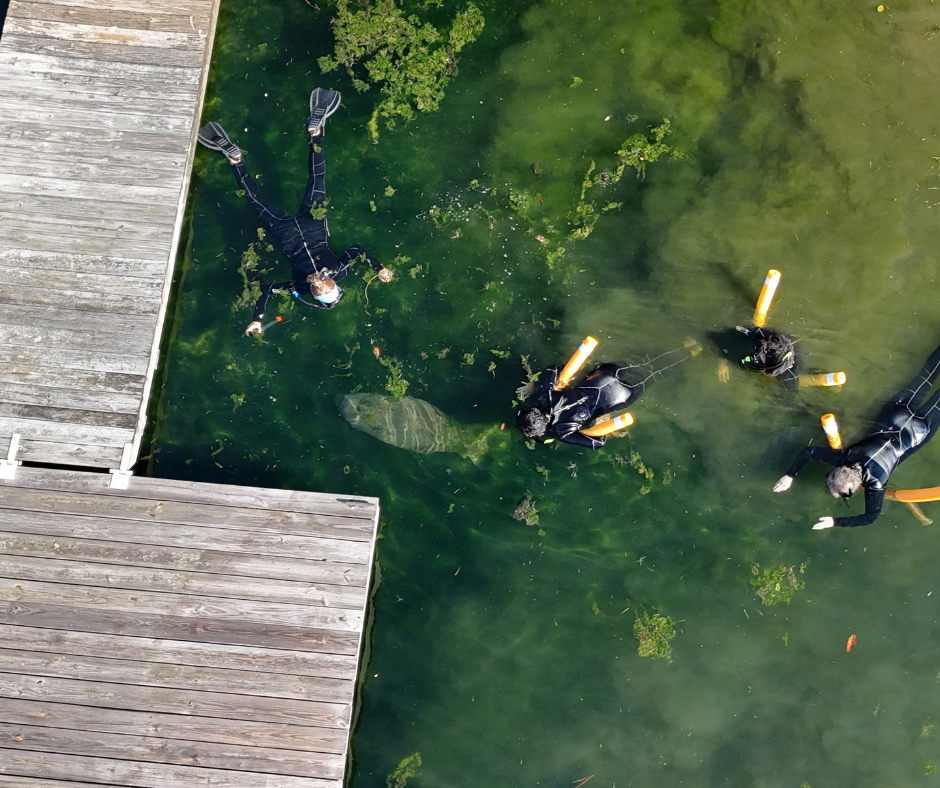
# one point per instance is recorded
(874, 497)
(834, 457)
(547, 381)
(350, 256)
(266, 293)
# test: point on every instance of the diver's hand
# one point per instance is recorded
(385, 274)
(724, 371)
(526, 390)
(783, 484)
(254, 327)
(824, 522)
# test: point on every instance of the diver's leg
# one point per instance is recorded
(267, 210)
(922, 382)
(315, 193)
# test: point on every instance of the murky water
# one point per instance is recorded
(504, 653)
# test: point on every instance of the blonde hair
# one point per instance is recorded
(319, 285)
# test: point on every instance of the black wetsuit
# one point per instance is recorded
(305, 241)
(901, 428)
(572, 408)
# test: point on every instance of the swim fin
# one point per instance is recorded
(323, 103)
(213, 136)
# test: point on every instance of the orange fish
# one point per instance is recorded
(851, 643)
(376, 351)
(502, 426)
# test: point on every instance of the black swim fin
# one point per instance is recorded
(323, 103)
(213, 136)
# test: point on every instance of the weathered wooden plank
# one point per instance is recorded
(124, 238)
(170, 627)
(68, 398)
(68, 415)
(182, 559)
(220, 514)
(107, 224)
(130, 287)
(35, 61)
(242, 659)
(133, 116)
(261, 760)
(80, 300)
(184, 677)
(173, 726)
(70, 454)
(192, 41)
(35, 238)
(201, 11)
(46, 766)
(90, 163)
(112, 196)
(35, 429)
(16, 590)
(45, 356)
(73, 378)
(115, 95)
(8, 781)
(110, 529)
(171, 676)
(65, 263)
(181, 22)
(219, 705)
(44, 137)
(133, 577)
(113, 330)
(95, 51)
(324, 504)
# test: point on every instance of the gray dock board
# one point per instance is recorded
(206, 661)
(79, 198)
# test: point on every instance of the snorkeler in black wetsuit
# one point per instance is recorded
(901, 428)
(305, 238)
(607, 388)
(761, 350)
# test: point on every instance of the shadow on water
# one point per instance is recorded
(506, 651)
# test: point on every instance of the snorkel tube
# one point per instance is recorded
(766, 297)
(576, 362)
(619, 422)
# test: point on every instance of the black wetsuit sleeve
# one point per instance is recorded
(266, 293)
(547, 381)
(353, 253)
(834, 457)
(873, 500)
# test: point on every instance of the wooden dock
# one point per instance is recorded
(177, 634)
(99, 101)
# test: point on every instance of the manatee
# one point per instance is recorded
(411, 424)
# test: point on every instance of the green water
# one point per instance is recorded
(504, 653)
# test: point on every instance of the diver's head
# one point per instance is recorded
(844, 481)
(532, 422)
(323, 289)
(772, 352)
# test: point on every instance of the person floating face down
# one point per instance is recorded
(560, 415)
(303, 238)
(761, 350)
(905, 424)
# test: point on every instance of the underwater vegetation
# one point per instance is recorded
(410, 60)
(406, 769)
(654, 633)
(774, 586)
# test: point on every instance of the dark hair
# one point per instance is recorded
(532, 422)
(772, 352)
